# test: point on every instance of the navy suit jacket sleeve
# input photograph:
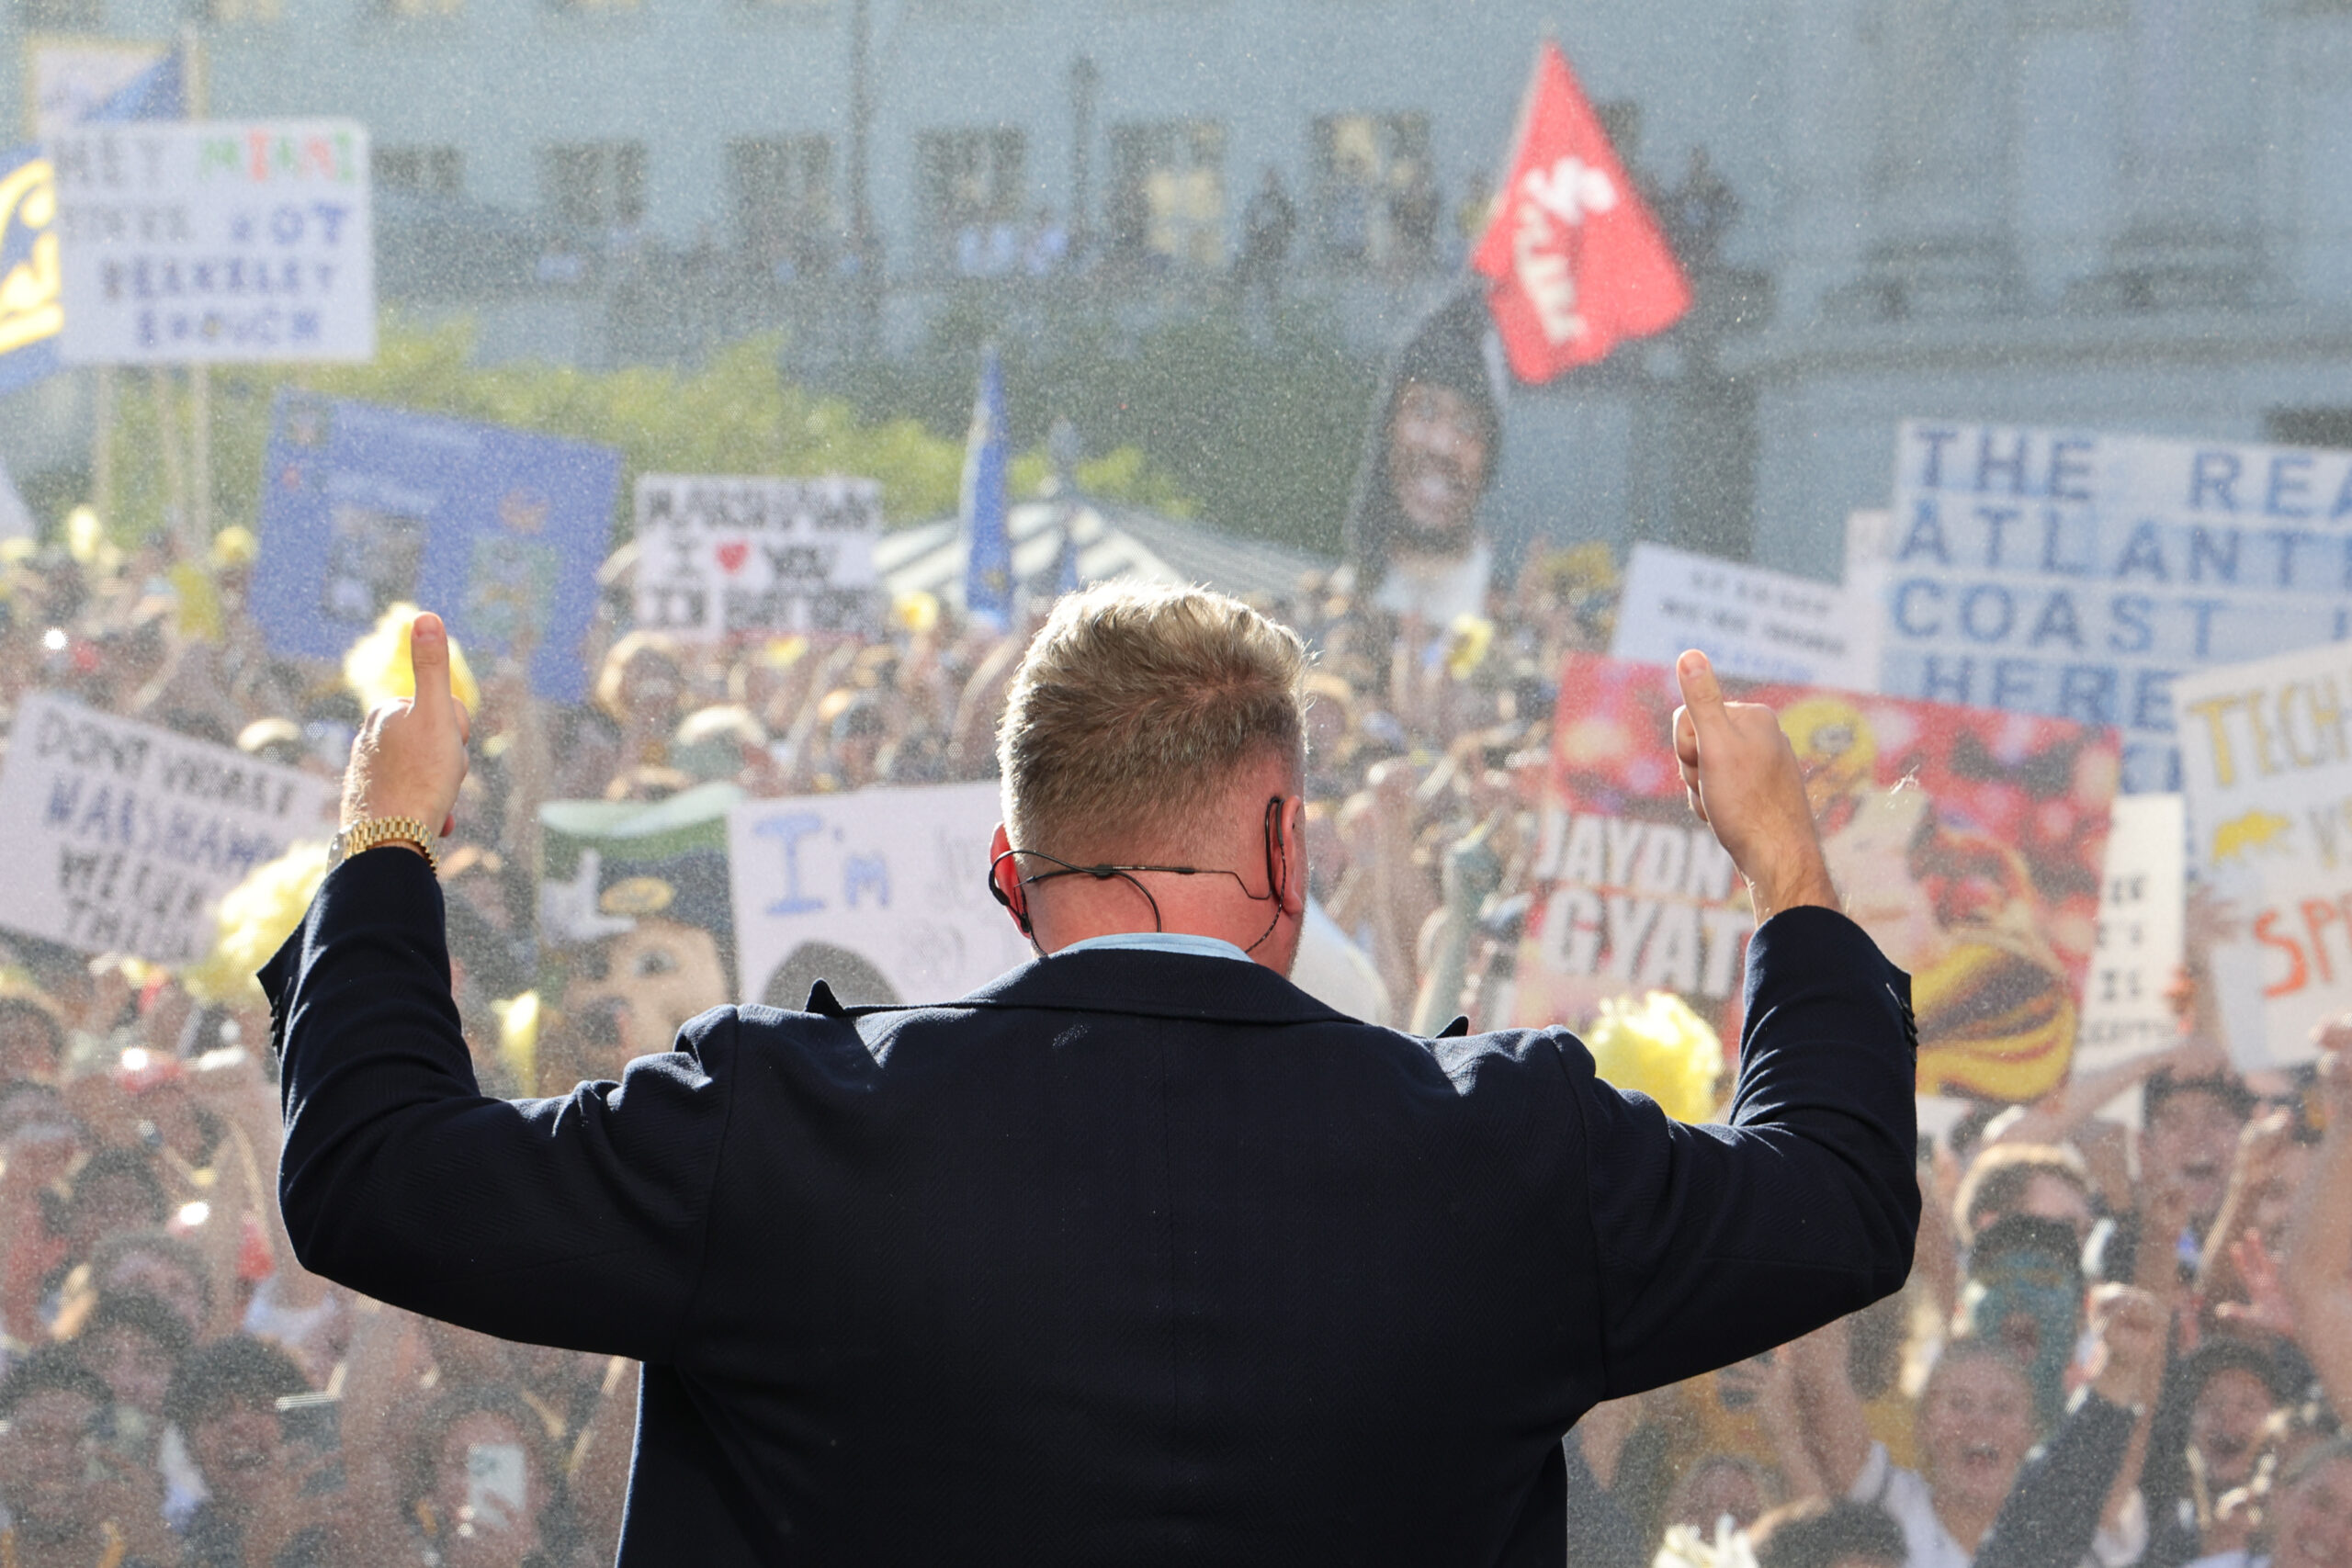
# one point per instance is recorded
(1720, 1242)
(558, 1221)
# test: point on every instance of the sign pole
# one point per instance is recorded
(199, 376)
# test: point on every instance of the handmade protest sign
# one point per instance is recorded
(881, 893)
(122, 836)
(2076, 575)
(2127, 1010)
(2268, 768)
(499, 530)
(1752, 622)
(1967, 843)
(720, 555)
(215, 241)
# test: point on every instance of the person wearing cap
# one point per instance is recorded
(1139, 1254)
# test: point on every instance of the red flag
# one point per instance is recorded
(1577, 260)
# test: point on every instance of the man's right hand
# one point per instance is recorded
(409, 757)
(1743, 782)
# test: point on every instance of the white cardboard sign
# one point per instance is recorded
(2266, 752)
(721, 556)
(215, 241)
(2126, 1010)
(894, 878)
(1752, 623)
(121, 837)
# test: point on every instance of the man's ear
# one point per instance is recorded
(1291, 831)
(1004, 879)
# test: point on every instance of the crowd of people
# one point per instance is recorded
(2119, 1345)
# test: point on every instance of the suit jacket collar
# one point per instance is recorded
(1142, 984)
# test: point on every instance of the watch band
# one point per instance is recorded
(375, 831)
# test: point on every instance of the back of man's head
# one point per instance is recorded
(1133, 713)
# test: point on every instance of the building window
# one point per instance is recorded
(1375, 192)
(418, 171)
(59, 17)
(783, 192)
(1166, 205)
(595, 185)
(972, 190)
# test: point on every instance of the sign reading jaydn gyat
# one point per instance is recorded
(499, 530)
(2074, 575)
(215, 241)
(122, 837)
(720, 556)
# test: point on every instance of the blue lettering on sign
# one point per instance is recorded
(791, 829)
(866, 874)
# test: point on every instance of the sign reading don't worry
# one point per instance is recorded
(121, 837)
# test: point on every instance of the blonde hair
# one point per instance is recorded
(1133, 709)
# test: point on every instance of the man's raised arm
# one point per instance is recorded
(575, 1221)
(1727, 1240)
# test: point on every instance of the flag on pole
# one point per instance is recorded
(159, 92)
(1577, 262)
(987, 574)
(30, 316)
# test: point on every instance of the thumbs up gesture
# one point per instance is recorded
(1743, 782)
(409, 757)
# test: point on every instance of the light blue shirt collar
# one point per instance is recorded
(1161, 941)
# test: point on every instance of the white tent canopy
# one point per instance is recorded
(1113, 542)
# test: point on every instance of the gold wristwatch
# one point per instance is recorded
(361, 836)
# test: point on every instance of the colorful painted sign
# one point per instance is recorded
(1968, 844)
(2266, 761)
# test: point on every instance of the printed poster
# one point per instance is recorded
(499, 530)
(1968, 844)
(121, 837)
(2079, 575)
(2269, 775)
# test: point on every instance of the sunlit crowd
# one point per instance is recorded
(2120, 1344)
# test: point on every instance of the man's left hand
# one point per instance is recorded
(409, 757)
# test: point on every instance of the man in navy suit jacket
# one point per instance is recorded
(1139, 1254)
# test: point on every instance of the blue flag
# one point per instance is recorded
(987, 575)
(30, 317)
(159, 92)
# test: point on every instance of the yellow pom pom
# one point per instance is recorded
(1661, 1048)
(85, 535)
(916, 611)
(1466, 642)
(234, 545)
(254, 918)
(518, 1038)
(378, 668)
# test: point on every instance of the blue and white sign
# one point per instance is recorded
(1752, 622)
(499, 530)
(883, 893)
(2074, 575)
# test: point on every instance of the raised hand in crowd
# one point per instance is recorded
(2317, 1273)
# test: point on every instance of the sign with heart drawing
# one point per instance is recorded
(723, 557)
